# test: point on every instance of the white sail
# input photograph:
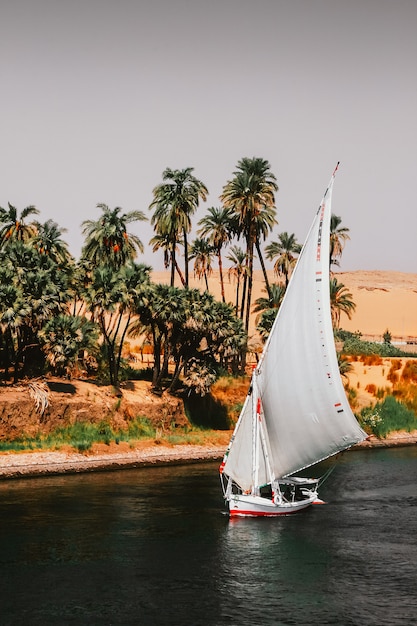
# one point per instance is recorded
(305, 410)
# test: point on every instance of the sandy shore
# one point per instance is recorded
(30, 464)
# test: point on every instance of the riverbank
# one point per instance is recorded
(53, 462)
(147, 454)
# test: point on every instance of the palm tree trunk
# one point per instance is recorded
(164, 369)
(180, 274)
(237, 295)
(119, 354)
(156, 359)
(178, 369)
(185, 258)
(111, 361)
(173, 263)
(250, 282)
(261, 260)
(219, 254)
(244, 289)
(245, 278)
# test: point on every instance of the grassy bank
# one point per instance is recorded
(81, 436)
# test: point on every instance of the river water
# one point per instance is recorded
(153, 546)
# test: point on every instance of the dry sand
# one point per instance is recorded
(384, 300)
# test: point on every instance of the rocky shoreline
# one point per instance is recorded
(49, 463)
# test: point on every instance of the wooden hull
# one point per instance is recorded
(242, 505)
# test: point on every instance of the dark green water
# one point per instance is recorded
(152, 546)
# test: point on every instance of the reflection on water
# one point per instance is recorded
(153, 546)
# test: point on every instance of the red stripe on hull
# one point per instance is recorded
(263, 514)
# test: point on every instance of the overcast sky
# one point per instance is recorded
(98, 97)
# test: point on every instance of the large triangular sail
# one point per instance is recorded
(304, 407)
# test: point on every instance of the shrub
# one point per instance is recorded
(352, 396)
(371, 359)
(387, 416)
(393, 376)
(357, 346)
(409, 373)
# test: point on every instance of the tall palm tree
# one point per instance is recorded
(237, 270)
(13, 226)
(284, 251)
(175, 201)
(340, 302)
(338, 237)
(216, 226)
(48, 240)
(201, 252)
(249, 194)
(107, 240)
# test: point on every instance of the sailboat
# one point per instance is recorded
(296, 413)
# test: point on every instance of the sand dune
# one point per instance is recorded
(384, 300)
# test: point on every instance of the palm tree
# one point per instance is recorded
(107, 240)
(237, 270)
(175, 201)
(216, 226)
(33, 290)
(164, 242)
(48, 240)
(249, 194)
(340, 301)
(345, 367)
(13, 226)
(284, 251)
(268, 309)
(201, 252)
(63, 338)
(273, 302)
(111, 297)
(338, 237)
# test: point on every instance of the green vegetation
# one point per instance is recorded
(356, 346)
(82, 435)
(387, 416)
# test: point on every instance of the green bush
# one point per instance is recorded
(356, 346)
(82, 435)
(344, 335)
(387, 416)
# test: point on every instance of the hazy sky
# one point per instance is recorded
(98, 97)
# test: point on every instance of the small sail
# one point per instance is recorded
(305, 409)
